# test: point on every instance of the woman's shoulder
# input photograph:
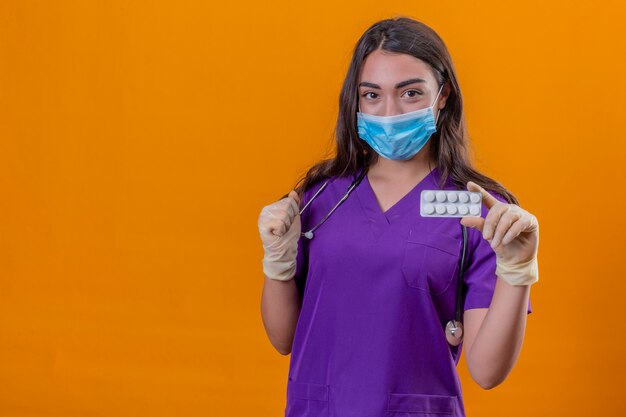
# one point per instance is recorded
(329, 182)
(313, 188)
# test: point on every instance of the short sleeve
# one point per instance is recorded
(480, 276)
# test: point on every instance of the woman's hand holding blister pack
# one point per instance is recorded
(514, 236)
(280, 228)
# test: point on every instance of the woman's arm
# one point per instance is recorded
(280, 229)
(280, 309)
(493, 336)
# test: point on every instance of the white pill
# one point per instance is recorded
(450, 203)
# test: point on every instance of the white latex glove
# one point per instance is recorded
(514, 236)
(279, 227)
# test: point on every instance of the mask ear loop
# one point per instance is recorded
(435, 102)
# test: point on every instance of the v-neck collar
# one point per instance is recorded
(369, 202)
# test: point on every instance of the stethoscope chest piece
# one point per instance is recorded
(454, 332)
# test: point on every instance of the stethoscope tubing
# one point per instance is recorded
(454, 328)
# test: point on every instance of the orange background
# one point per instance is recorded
(140, 140)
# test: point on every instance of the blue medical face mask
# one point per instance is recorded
(401, 136)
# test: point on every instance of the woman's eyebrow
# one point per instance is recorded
(399, 85)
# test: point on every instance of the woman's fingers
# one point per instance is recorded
(289, 206)
(516, 228)
(504, 225)
(292, 203)
(473, 222)
(492, 218)
(277, 224)
(275, 220)
(293, 194)
(488, 199)
(295, 205)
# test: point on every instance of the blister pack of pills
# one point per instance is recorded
(450, 203)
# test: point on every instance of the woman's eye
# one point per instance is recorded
(369, 92)
(413, 91)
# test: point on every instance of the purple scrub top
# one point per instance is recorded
(378, 288)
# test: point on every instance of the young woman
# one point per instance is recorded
(359, 287)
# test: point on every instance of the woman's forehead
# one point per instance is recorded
(386, 69)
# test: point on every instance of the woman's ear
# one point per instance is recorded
(445, 93)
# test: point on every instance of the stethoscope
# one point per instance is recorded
(357, 181)
(454, 328)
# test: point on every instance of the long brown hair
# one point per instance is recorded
(449, 144)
